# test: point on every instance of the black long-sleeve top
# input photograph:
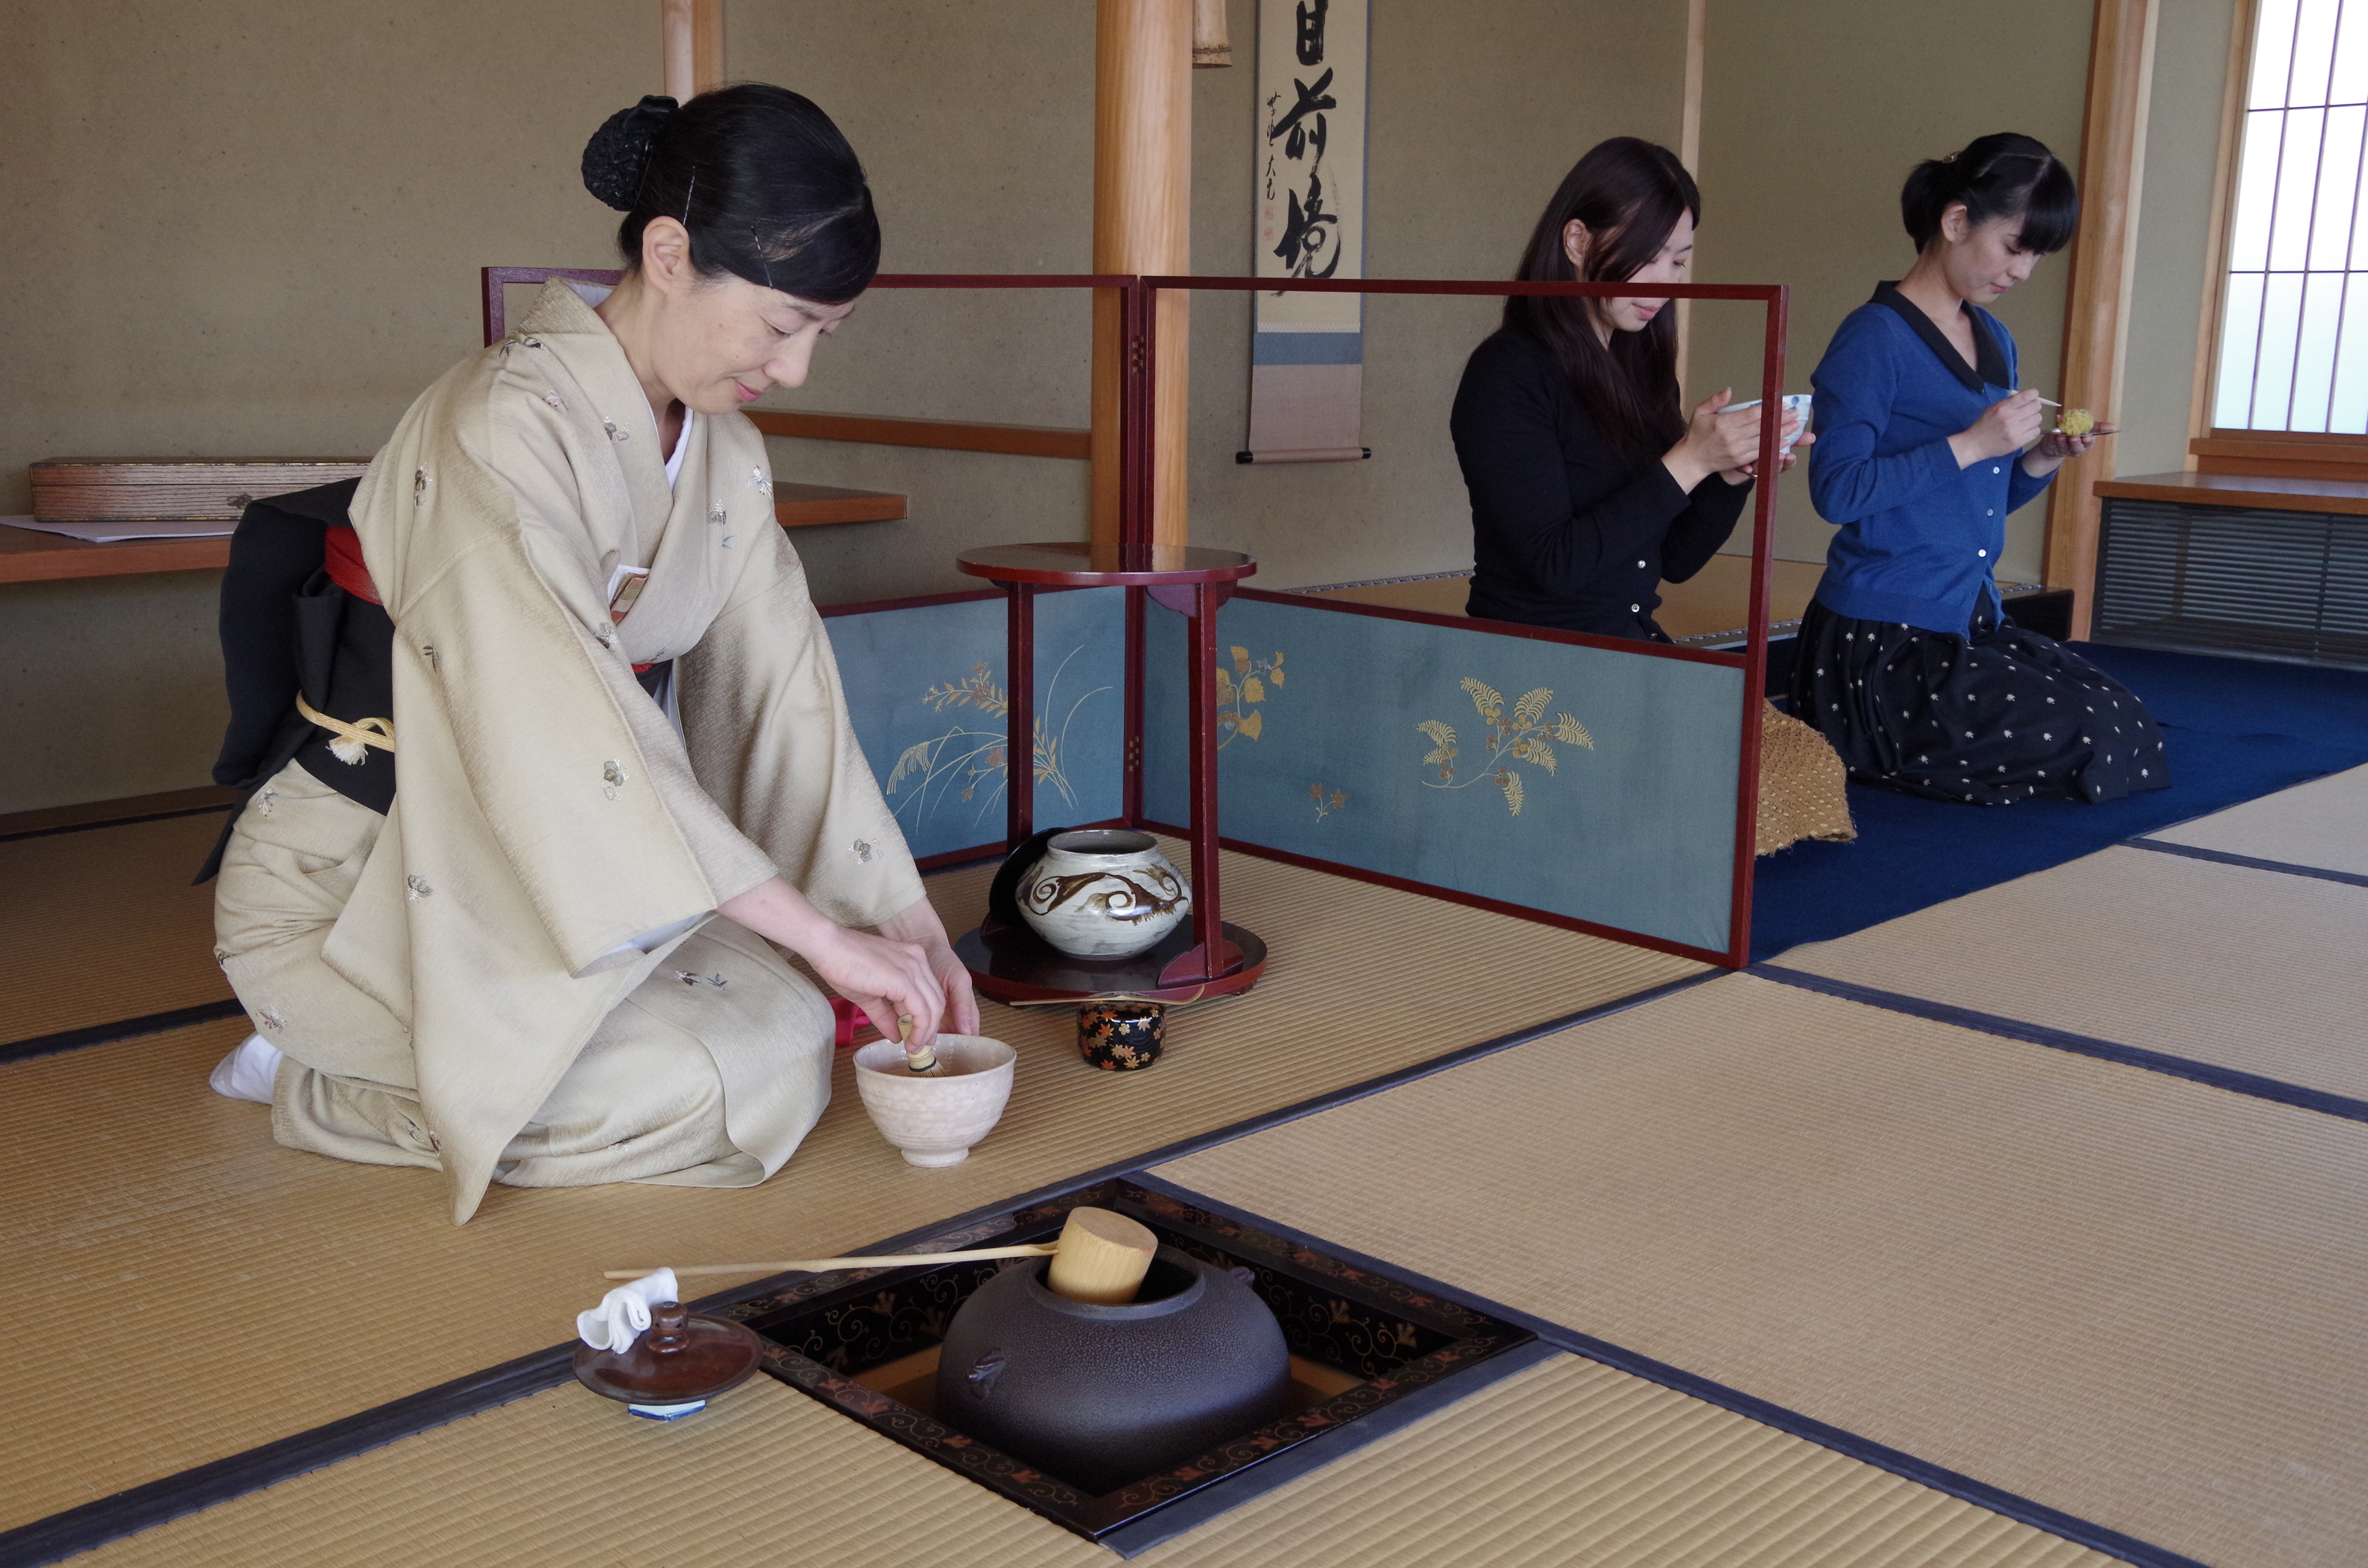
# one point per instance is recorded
(1565, 532)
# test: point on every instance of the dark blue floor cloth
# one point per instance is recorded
(2235, 729)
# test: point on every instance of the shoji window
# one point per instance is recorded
(2294, 337)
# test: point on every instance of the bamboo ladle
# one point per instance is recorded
(1101, 1256)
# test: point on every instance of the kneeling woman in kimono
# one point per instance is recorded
(1906, 660)
(564, 609)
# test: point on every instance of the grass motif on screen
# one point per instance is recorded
(973, 763)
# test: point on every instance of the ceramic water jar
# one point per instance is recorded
(1102, 892)
(1102, 1395)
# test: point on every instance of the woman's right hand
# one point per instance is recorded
(2005, 427)
(1717, 441)
(885, 978)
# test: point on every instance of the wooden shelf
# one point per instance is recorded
(2269, 492)
(804, 505)
(893, 430)
(28, 555)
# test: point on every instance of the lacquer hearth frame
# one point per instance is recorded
(1138, 301)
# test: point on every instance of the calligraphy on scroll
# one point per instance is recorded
(1307, 359)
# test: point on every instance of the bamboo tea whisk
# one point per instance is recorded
(921, 1064)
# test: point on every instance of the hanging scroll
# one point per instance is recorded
(1307, 355)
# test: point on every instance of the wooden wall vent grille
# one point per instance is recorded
(2285, 586)
(2288, 586)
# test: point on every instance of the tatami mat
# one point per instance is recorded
(1567, 1463)
(166, 1212)
(2323, 824)
(2127, 1296)
(2241, 967)
(102, 925)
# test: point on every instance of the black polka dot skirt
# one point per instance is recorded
(1993, 716)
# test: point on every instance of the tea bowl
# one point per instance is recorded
(933, 1118)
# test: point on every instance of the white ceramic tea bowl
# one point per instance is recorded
(935, 1118)
(1794, 402)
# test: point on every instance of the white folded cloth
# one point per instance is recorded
(624, 1311)
(247, 1074)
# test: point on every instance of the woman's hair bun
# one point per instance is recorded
(619, 154)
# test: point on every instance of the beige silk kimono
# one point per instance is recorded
(517, 974)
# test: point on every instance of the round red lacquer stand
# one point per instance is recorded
(1009, 961)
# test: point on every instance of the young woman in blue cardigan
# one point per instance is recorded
(1907, 661)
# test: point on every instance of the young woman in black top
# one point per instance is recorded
(1590, 485)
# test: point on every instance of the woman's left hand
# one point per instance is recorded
(918, 924)
(2055, 446)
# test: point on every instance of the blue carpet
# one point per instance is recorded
(2235, 729)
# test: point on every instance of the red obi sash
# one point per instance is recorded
(341, 554)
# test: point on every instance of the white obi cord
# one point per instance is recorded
(624, 1311)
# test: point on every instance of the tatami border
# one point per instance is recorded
(1907, 1466)
(93, 1525)
(2250, 862)
(123, 1028)
(2205, 1073)
(109, 822)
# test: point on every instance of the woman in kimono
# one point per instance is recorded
(1907, 661)
(565, 612)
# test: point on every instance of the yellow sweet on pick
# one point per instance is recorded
(2075, 422)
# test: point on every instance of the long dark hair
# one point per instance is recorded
(1629, 194)
(2000, 176)
(768, 189)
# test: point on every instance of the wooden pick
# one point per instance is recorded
(824, 1265)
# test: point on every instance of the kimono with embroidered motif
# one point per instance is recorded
(516, 972)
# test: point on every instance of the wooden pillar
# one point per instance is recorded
(1690, 108)
(2096, 325)
(691, 39)
(1142, 223)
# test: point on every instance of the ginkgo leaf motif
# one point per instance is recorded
(1275, 674)
(1570, 732)
(1512, 782)
(1225, 684)
(1241, 661)
(1251, 723)
(1253, 689)
(1486, 699)
(1532, 706)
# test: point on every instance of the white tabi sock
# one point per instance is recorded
(247, 1074)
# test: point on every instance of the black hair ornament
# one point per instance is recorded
(618, 156)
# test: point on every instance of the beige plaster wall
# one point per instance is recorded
(980, 154)
(251, 227)
(2168, 290)
(1812, 117)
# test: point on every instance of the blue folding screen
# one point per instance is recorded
(1585, 781)
(926, 690)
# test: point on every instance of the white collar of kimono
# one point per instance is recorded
(592, 294)
(681, 445)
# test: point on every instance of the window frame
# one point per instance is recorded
(2280, 454)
